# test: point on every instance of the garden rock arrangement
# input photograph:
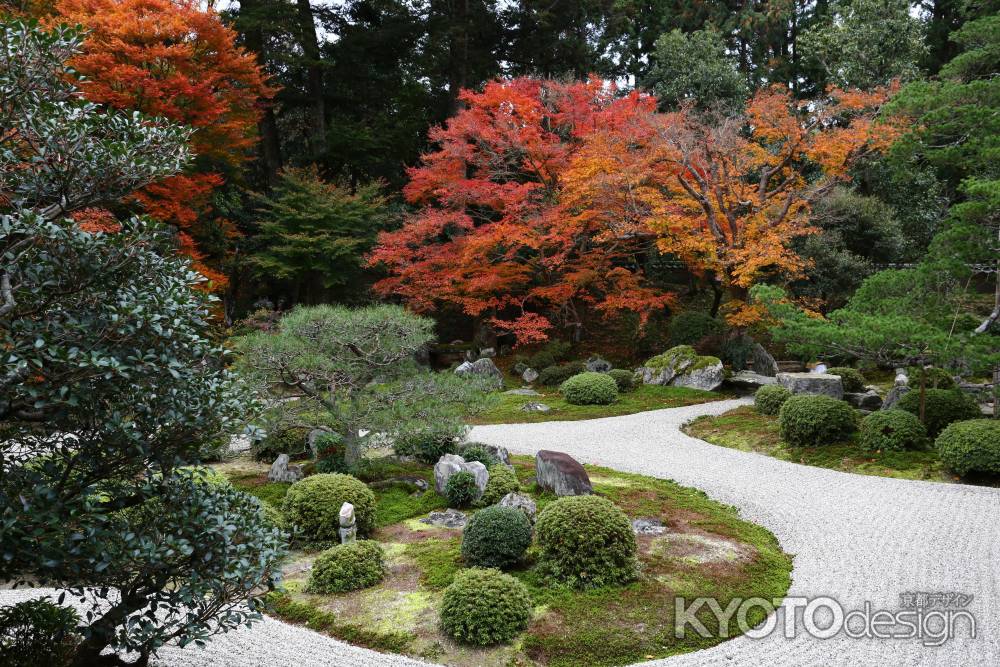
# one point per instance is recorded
(450, 464)
(449, 518)
(867, 400)
(681, 366)
(751, 380)
(483, 369)
(521, 502)
(281, 471)
(561, 474)
(812, 383)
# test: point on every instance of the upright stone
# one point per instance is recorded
(449, 464)
(282, 472)
(529, 375)
(521, 502)
(348, 525)
(812, 383)
(561, 474)
(761, 361)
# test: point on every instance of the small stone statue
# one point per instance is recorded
(348, 526)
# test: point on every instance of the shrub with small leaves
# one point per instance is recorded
(553, 376)
(476, 452)
(934, 378)
(348, 567)
(586, 541)
(891, 430)
(941, 407)
(313, 504)
(690, 326)
(552, 353)
(429, 444)
(590, 389)
(623, 378)
(810, 421)
(502, 481)
(971, 446)
(485, 607)
(461, 489)
(852, 380)
(769, 399)
(37, 632)
(281, 440)
(496, 537)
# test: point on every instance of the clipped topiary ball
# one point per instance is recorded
(461, 489)
(852, 380)
(590, 389)
(496, 537)
(971, 446)
(810, 421)
(348, 567)
(623, 378)
(485, 607)
(941, 407)
(312, 505)
(586, 541)
(891, 431)
(554, 376)
(502, 481)
(769, 399)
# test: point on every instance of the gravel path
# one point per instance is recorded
(854, 538)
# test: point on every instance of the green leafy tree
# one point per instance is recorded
(108, 384)
(312, 235)
(358, 367)
(695, 67)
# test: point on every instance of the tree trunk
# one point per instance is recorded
(314, 75)
(267, 126)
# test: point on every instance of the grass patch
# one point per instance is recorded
(398, 503)
(507, 409)
(748, 431)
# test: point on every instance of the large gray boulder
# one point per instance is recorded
(281, 471)
(708, 376)
(896, 393)
(496, 451)
(865, 400)
(521, 502)
(751, 380)
(561, 474)
(449, 464)
(761, 361)
(681, 366)
(597, 364)
(529, 375)
(484, 370)
(812, 383)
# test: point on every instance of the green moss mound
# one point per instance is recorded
(891, 431)
(586, 541)
(348, 567)
(941, 407)
(496, 537)
(852, 380)
(590, 389)
(485, 607)
(811, 421)
(971, 446)
(502, 481)
(312, 505)
(769, 399)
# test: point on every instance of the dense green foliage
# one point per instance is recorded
(586, 541)
(768, 399)
(430, 443)
(891, 430)
(477, 452)
(812, 421)
(348, 567)
(941, 407)
(496, 537)
(695, 68)
(37, 632)
(502, 481)
(625, 380)
(690, 326)
(851, 378)
(461, 489)
(590, 389)
(553, 376)
(313, 504)
(484, 607)
(971, 446)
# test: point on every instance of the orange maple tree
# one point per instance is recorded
(492, 235)
(726, 195)
(171, 58)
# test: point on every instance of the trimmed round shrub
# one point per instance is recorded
(810, 421)
(348, 567)
(485, 607)
(586, 541)
(502, 481)
(971, 446)
(476, 452)
(461, 489)
(590, 389)
(690, 326)
(312, 505)
(891, 431)
(941, 407)
(623, 378)
(852, 379)
(496, 537)
(37, 632)
(553, 376)
(273, 516)
(769, 399)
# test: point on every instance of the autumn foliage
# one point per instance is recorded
(171, 58)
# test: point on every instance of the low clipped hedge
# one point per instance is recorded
(461, 489)
(769, 399)
(892, 431)
(502, 481)
(590, 389)
(810, 421)
(496, 537)
(348, 567)
(852, 380)
(623, 378)
(313, 504)
(485, 607)
(971, 446)
(553, 376)
(586, 541)
(941, 407)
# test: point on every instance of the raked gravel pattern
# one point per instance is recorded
(855, 538)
